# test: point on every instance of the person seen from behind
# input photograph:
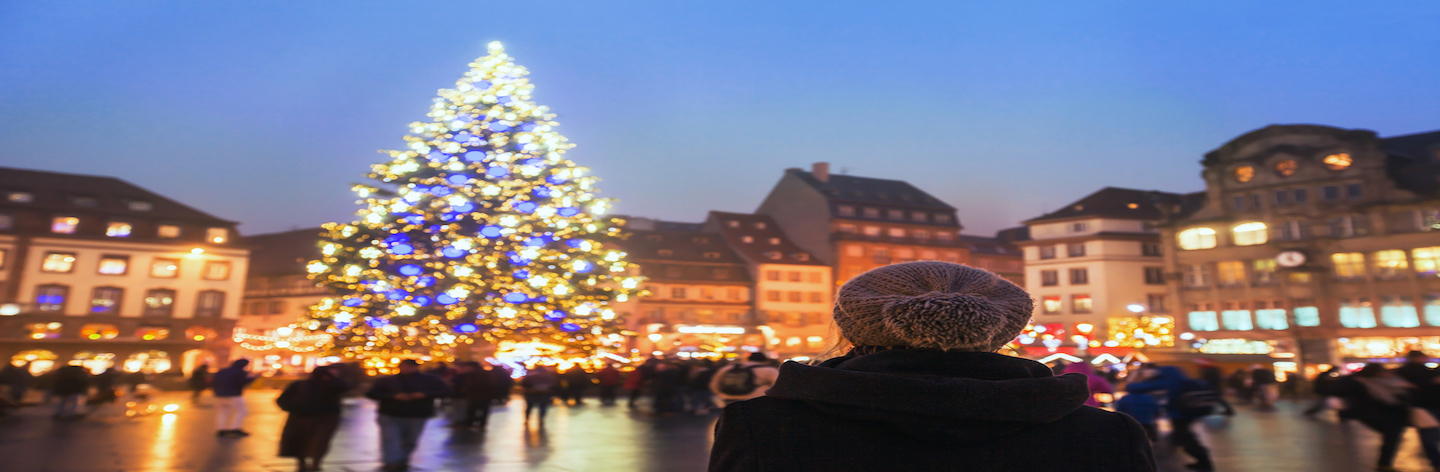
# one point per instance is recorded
(229, 387)
(72, 385)
(1145, 409)
(1187, 401)
(538, 388)
(1378, 398)
(744, 381)
(923, 389)
(1098, 384)
(313, 405)
(474, 388)
(609, 380)
(407, 402)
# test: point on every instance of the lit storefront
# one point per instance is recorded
(701, 341)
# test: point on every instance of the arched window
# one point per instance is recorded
(1196, 238)
(1249, 234)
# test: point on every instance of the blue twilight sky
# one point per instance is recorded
(265, 111)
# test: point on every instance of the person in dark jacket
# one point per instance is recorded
(609, 380)
(313, 405)
(1321, 385)
(1211, 374)
(1266, 387)
(1375, 396)
(1173, 384)
(72, 384)
(538, 387)
(501, 384)
(230, 384)
(1145, 409)
(923, 389)
(577, 381)
(17, 379)
(198, 382)
(407, 401)
(473, 391)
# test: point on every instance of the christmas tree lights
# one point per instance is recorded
(480, 229)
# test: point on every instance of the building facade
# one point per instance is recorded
(854, 224)
(99, 272)
(1095, 261)
(1313, 240)
(999, 254)
(793, 295)
(278, 294)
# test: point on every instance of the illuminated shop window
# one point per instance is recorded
(45, 330)
(199, 333)
(1307, 316)
(1051, 304)
(1271, 318)
(1196, 238)
(1249, 234)
(1432, 309)
(152, 333)
(148, 361)
(1390, 263)
(1236, 320)
(1427, 260)
(1231, 273)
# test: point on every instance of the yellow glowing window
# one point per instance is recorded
(45, 330)
(1197, 238)
(1349, 264)
(58, 262)
(118, 229)
(1231, 272)
(1244, 173)
(152, 333)
(99, 331)
(216, 235)
(1427, 259)
(165, 268)
(114, 265)
(1052, 304)
(1338, 161)
(1286, 167)
(64, 224)
(198, 333)
(168, 231)
(1249, 234)
(1390, 263)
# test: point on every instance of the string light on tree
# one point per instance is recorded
(480, 229)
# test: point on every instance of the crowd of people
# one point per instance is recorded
(73, 390)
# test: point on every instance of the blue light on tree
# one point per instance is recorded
(583, 267)
(452, 252)
(446, 299)
(353, 302)
(499, 127)
(411, 270)
(490, 231)
(458, 179)
(466, 328)
(526, 207)
(569, 327)
(522, 274)
(555, 315)
(396, 294)
(516, 297)
(474, 156)
(568, 211)
(402, 249)
(535, 241)
(463, 207)
(496, 172)
(438, 156)
(424, 281)
(421, 301)
(555, 180)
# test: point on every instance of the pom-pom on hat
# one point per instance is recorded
(932, 305)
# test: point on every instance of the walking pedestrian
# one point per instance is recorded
(407, 402)
(502, 383)
(1211, 374)
(609, 380)
(473, 391)
(1242, 384)
(104, 384)
(538, 387)
(313, 405)
(1266, 387)
(1188, 400)
(1374, 396)
(230, 384)
(699, 399)
(669, 388)
(745, 380)
(17, 380)
(1322, 385)
(577, 381)
(72, 384)
(198, 382)
(639, 380)
(924, 334)
(1144, 409)
(1098, 385)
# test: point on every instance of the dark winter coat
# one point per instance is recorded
(231, 381)
(313, 397)
(1171, 382)
(1427, 392)
(474, 385)
(917, 410)
(1143, 407)
(385, 389)
(71, 380)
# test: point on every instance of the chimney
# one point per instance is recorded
(821, 171)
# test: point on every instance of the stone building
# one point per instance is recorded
(999, 254)
(278, 293)
(1312, 240)
(99, 272)
(792, 288)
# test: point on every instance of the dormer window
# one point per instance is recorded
(1338, 161)
(942, 218)
(919, 217)
(895, 214)
(217, 235)
(138, 205)
(773, 255)
(845, 210)
(118, 229)
(872, 212)
(733, 223)
(168, 231)
(759, 225)
(64, 224)
(774, 241)
(800, 256)
(747, 239)
(20, 197)
(86, 202)
(700, 240)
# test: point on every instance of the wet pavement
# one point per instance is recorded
(588, 438)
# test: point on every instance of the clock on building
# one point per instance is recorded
(1291, 258)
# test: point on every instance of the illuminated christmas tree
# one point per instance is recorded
(480, 229)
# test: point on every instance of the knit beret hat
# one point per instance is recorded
(932, 305)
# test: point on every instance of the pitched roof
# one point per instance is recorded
(871, 191)
(991, 246)
(286, 253)
(759, 239)
(1119, 203)
(56, 191)
(1414, 161)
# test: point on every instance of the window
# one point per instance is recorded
(45, 330)
(944, 236)
(817, 297)
(277, 307)
(872, 230)
(165, 268)
(795, 297)
(880, 252)
(951, 256)
(920, 234)
(1079, 276)
(718, 274)
(1244, 173)
(774, 241)
(919, 217)
(1155, 275)
(51, 297)
(1307, 315)
(1255, 202)
(152, 333)
(1049, 278)
(1390, 263)
(1050, 304)
(95, 331)
(1236, 320)
(1349, 226)
(1196, 238)
(7, 222)
(1357, 313)
(168, 231)
(1204, 321)
(1249, 234)
(1079, 227)
(1432, 309)
(905, 254)
(673, 272)
(851, 229)
(1264, 270)
(677, 292)
(114, 265)
(1197, 275)
(845, 210)
(1301, 195)
(118, 229)
(772, 275)
(1349, 264)
(816, 277)
(854, 250)
(62, 262)
(1427, 260)
(138, 205)
(1230, 273)
(759, 225)
(895, 214)
(106, 300)
(1282, 197)
(1294, 230)
(733, 294)
(1272, 317)
(1080, 304)
(1075, 249)
(929, 255)
(3, 254)
(1237, 203)
(1338, 161)
(159, 302)
(1398, 312)
(664, 252)
(794, 276)
(1353, 191)
(942, 218)
(872, 212)
(1047, 252)
(1330, 192)
(1156, 302)
(20, 197)
(64, 224)
(772, 295)
(1150, 249)
(1286, 167)
(897, 232)
(217, 235)
(209, 304)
